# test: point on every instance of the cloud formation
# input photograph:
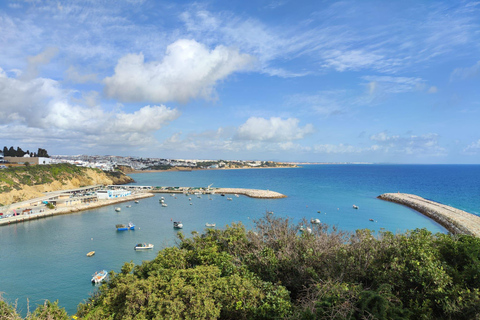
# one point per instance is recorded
(274, 129)
(189, 70)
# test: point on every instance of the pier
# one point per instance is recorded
(454, 220)
(252, 193)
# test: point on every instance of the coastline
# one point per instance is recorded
(72, 209)
(177, 169)
(454, 220)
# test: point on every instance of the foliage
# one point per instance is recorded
(49, 311)
(8, 312)
(275, 271)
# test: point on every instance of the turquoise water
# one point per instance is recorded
(46, 259)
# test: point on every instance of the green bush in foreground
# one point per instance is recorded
(276, 272)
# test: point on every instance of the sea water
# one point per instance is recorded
(46, 258)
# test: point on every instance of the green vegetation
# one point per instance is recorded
(14, 177)
(11, 152)
(274, 271)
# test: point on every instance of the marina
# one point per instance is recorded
(330, 189)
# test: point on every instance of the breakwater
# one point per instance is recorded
(454, 220)
(252, 193)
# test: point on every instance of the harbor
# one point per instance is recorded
(454, 220)
(91, 197)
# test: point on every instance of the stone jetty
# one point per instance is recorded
(252, 193)
(454, 220)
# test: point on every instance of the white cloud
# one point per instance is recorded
(325, 103)
(274, 130)
(188, 70)
(473, 148)
(417, 145)
(336, 149)
(34, 62)
(73, 75)
(41, 106)
(466, 73)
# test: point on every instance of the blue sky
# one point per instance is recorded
(315, 81)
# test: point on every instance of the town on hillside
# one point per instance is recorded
(11, 156)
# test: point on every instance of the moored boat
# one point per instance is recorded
(123, 227)
(91, 253)
(177, 224)
(315, 221)
(355, 207)
(143, 246)
(164, 205)
(99, 276)
(118, 209)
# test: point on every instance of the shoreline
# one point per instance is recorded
(454, 220)
(195, 169)
(72, 209)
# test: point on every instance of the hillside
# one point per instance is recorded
(23, 183)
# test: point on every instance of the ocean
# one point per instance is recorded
(46, 259)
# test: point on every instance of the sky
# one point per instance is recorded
(282, 80)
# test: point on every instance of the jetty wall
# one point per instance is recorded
(252, 193)
(454, 220)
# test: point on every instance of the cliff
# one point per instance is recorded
(28, 182)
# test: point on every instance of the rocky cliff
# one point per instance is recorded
(23, 183)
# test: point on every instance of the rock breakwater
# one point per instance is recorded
(454, 220)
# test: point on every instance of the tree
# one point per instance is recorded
(42, 153)
(11, 152)
(19, 152)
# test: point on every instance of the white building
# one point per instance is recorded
(111, 194)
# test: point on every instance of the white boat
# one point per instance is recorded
(209, 225)
(307, 229)
(118, 209)
(268, 211)
(315, 221)
(143, 246)
(91, 253)
(136, 201)
(355, 207)
(129, 206)
(177, 224)
(99, 276)
(229, 199)
(161, 200)
(164, 205)
(236, 195)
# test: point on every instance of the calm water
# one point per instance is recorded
(46, 259)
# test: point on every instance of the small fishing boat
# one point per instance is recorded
(143, 246)
(222, 194)
(122, 227)
(236, 195)
(91, 253)
(210, 225)
(161, 200)
(164, 205)
(371, 220)
(118, 209)
(268, 212)
(136, 201)
(318, 211)
(230, 199)
(177, 225)
(129, 206)
(315, 221)
(355, 207)
(99, 276)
